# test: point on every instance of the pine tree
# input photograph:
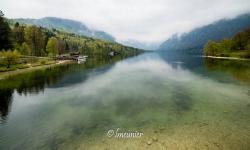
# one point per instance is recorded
(18, 33)
(5, 33)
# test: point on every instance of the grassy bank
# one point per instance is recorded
(240, 55)
(24, 63)
(35, 64)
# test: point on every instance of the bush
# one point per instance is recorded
(4, 69)
(23, 67)
(9, 57)
(43, 62)
(245, 55)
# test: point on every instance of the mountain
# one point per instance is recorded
(141, 45)
(194, 41)
(66, 25)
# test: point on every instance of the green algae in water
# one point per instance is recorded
(180, 105)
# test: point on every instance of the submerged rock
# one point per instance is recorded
(203, 124)
(149, 142)
(155, 139)
(161, 128)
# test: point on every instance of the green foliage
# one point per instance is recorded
(211, 48)
(242, 39)
(43, 62)
(238, 46)
(52, 47)
(5, 33)
(66, 25)
(38, 41)
(18, 34)
(25, 49)
(89, 46)
(35, 39)
(247, 47)
(9, 57)
(61, 46)
(226, 45)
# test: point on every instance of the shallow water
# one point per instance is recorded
(180, 102)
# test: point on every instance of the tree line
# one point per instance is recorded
(237, 46)
(38, 41)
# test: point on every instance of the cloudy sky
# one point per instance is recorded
(142, 20)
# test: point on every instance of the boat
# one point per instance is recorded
(81, 59)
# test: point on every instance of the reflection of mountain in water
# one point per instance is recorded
(68, 75)
(212, 68)
(35, 82)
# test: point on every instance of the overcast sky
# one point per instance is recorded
(142, 20)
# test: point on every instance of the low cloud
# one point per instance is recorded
(141, 20)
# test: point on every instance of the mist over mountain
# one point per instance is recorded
(68, 26)
(191, 42)
(194, 41)
(141, 45)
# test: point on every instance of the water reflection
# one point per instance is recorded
(240, 70)
(35, 82)
(216, 69)
(143, 92)
(5, 104)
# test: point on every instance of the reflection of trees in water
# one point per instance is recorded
(5, 103)
(35, 82)
(240, 70)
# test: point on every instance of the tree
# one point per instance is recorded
(239, 43)
(10, 57)
(241, 39)
(25, 49)
(35, 38)
(47, 34)
(210, 48)
(226, 45)
(52, 47)
(61, 46)
(18, 34)
(247, 47)
(5, 33)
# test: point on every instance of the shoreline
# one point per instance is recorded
(6, 74)
(229, 58)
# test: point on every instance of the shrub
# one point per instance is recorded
(9, 57)
(43, 62)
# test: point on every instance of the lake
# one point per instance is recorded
(177, 102)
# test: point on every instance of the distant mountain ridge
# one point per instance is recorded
(194, 41)
(141, 45)
(68, 26)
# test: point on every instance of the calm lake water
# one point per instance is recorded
(176, 102)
